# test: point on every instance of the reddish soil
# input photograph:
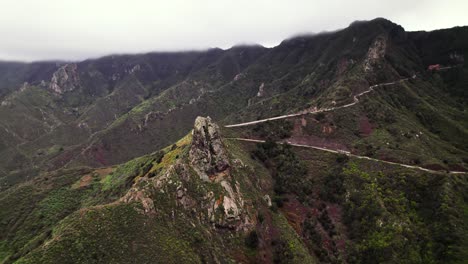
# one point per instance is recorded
(386, 156)
(300, 137)
(298, 125)
(296, 213)
(98, 153)
(334, 211)
(267, 233)
(365, 127)
(104, 171)
(85, 181)
(341, 245)
(457, 167)
(434, 167)
(63, 158)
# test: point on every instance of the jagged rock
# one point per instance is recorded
(222, 207)
(375, 53)
(267, 199)
(261, 91)
(135, 69)
(207, 154)
(24, 87)
(141, 195)
(238, 76)
(65, 79)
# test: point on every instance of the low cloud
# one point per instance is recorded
(75, 30)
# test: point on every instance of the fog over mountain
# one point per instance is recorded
(340, 137)
(75, 30)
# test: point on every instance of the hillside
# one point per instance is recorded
(210, 199)
(339, 147)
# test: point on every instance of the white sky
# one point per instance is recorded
(79, 29)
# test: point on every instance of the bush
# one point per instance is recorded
(273, 130)
(320, 116)
(288, 172)
(251, 240)
(342, 158)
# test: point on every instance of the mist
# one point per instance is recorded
(34, 30)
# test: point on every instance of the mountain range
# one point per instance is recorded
(341, 147)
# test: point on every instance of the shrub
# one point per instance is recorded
(251, 240)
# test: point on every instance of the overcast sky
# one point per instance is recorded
(79, 29)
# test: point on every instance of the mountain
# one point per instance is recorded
(341, 147)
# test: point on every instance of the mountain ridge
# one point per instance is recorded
(131, 158)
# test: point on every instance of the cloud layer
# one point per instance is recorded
(79, 29)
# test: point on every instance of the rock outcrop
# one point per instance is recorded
(261, 91)
(65, 79)
(375, 53)
(207, 155)
(202, 183)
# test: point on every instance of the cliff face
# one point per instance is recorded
(65, 79)
(375, 53)
(207, 153)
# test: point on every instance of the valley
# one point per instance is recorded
(341, 147)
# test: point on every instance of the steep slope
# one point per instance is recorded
(195, 201)
(216, 200)
(147, 101)
(387, 105)
(84, 100)
(91, 174)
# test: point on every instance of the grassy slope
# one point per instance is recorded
(378, 212)
(73, 215)
(60, 218)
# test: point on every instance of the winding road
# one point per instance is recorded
(352, 155)
(355, 101)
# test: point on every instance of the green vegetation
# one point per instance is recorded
(288, 172)
(273, 130)
(400, 217)
(93, 175)
(116, 234)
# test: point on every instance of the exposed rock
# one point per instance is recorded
(5, 103)
(375, 53)
(261, 91)
(185, 183)
(135, 69)
(141, 195)
(65, 79)
(24, 87)
(267, 199)
(207, 154)
(238, 76)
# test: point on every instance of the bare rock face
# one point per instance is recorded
(375, 53)
(65, 79)
(261, 91)
(202, 184)
(207, 154)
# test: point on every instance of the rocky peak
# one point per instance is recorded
(207, 154)
(203, 184)
(65, 79)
